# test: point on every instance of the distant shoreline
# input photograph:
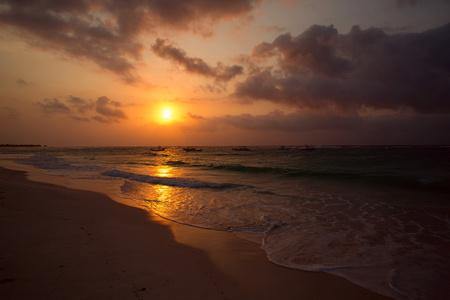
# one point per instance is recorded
(20, 145)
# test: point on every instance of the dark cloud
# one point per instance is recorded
(75, 28)
(107, 31)
(198, 15)
(215, 88)
(321, 68)
(81, 105)
(312, 50)
(279, 121)
(82, 119)
(9, 113)
(81, 110)
(101, 119)
(21, 82)
(221, 73)
(53, 106)
(412, 3)
(330, 127)
(110, 109)
(196, 117)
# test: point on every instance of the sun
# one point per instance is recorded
(167, 114)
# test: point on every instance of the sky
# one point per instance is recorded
(214, 72)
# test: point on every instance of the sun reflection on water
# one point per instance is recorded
(169, 202)
(163, 194)
(164, 203)
(164, 171)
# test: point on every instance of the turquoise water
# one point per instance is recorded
(378, 216)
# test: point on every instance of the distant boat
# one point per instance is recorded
(158, 149)
(308, 148)
(191, 149)
(241, 148)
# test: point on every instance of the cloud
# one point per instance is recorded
(82, 119)
(20, 82)
(221, 73)
(321, 68)
(196, 117)
(76, 29)
(9, 113)
(107, 32)
(198, 15)
(81, 105)
(330, 127)
(103, 109)
(101, 119)
(412, 3)
(279, 121)
(53, 106)
(110, 109)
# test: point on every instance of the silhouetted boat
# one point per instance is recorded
(191, 149)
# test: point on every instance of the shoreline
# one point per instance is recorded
(58, 242)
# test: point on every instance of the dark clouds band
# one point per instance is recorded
(321, 68)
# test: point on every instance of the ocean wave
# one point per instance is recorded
(247, 169)
(140, 163)
(402, 181)
(175, 163)
(47, 162)
(168, 181)
(154, 154)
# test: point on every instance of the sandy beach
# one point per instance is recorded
(61, 243)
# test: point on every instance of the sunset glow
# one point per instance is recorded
(252, 72)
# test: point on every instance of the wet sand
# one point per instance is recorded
(61, 243)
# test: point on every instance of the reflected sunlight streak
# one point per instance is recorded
(164, 171)
(164, 195)
(163, 206)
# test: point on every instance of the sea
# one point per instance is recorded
(378, 216)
